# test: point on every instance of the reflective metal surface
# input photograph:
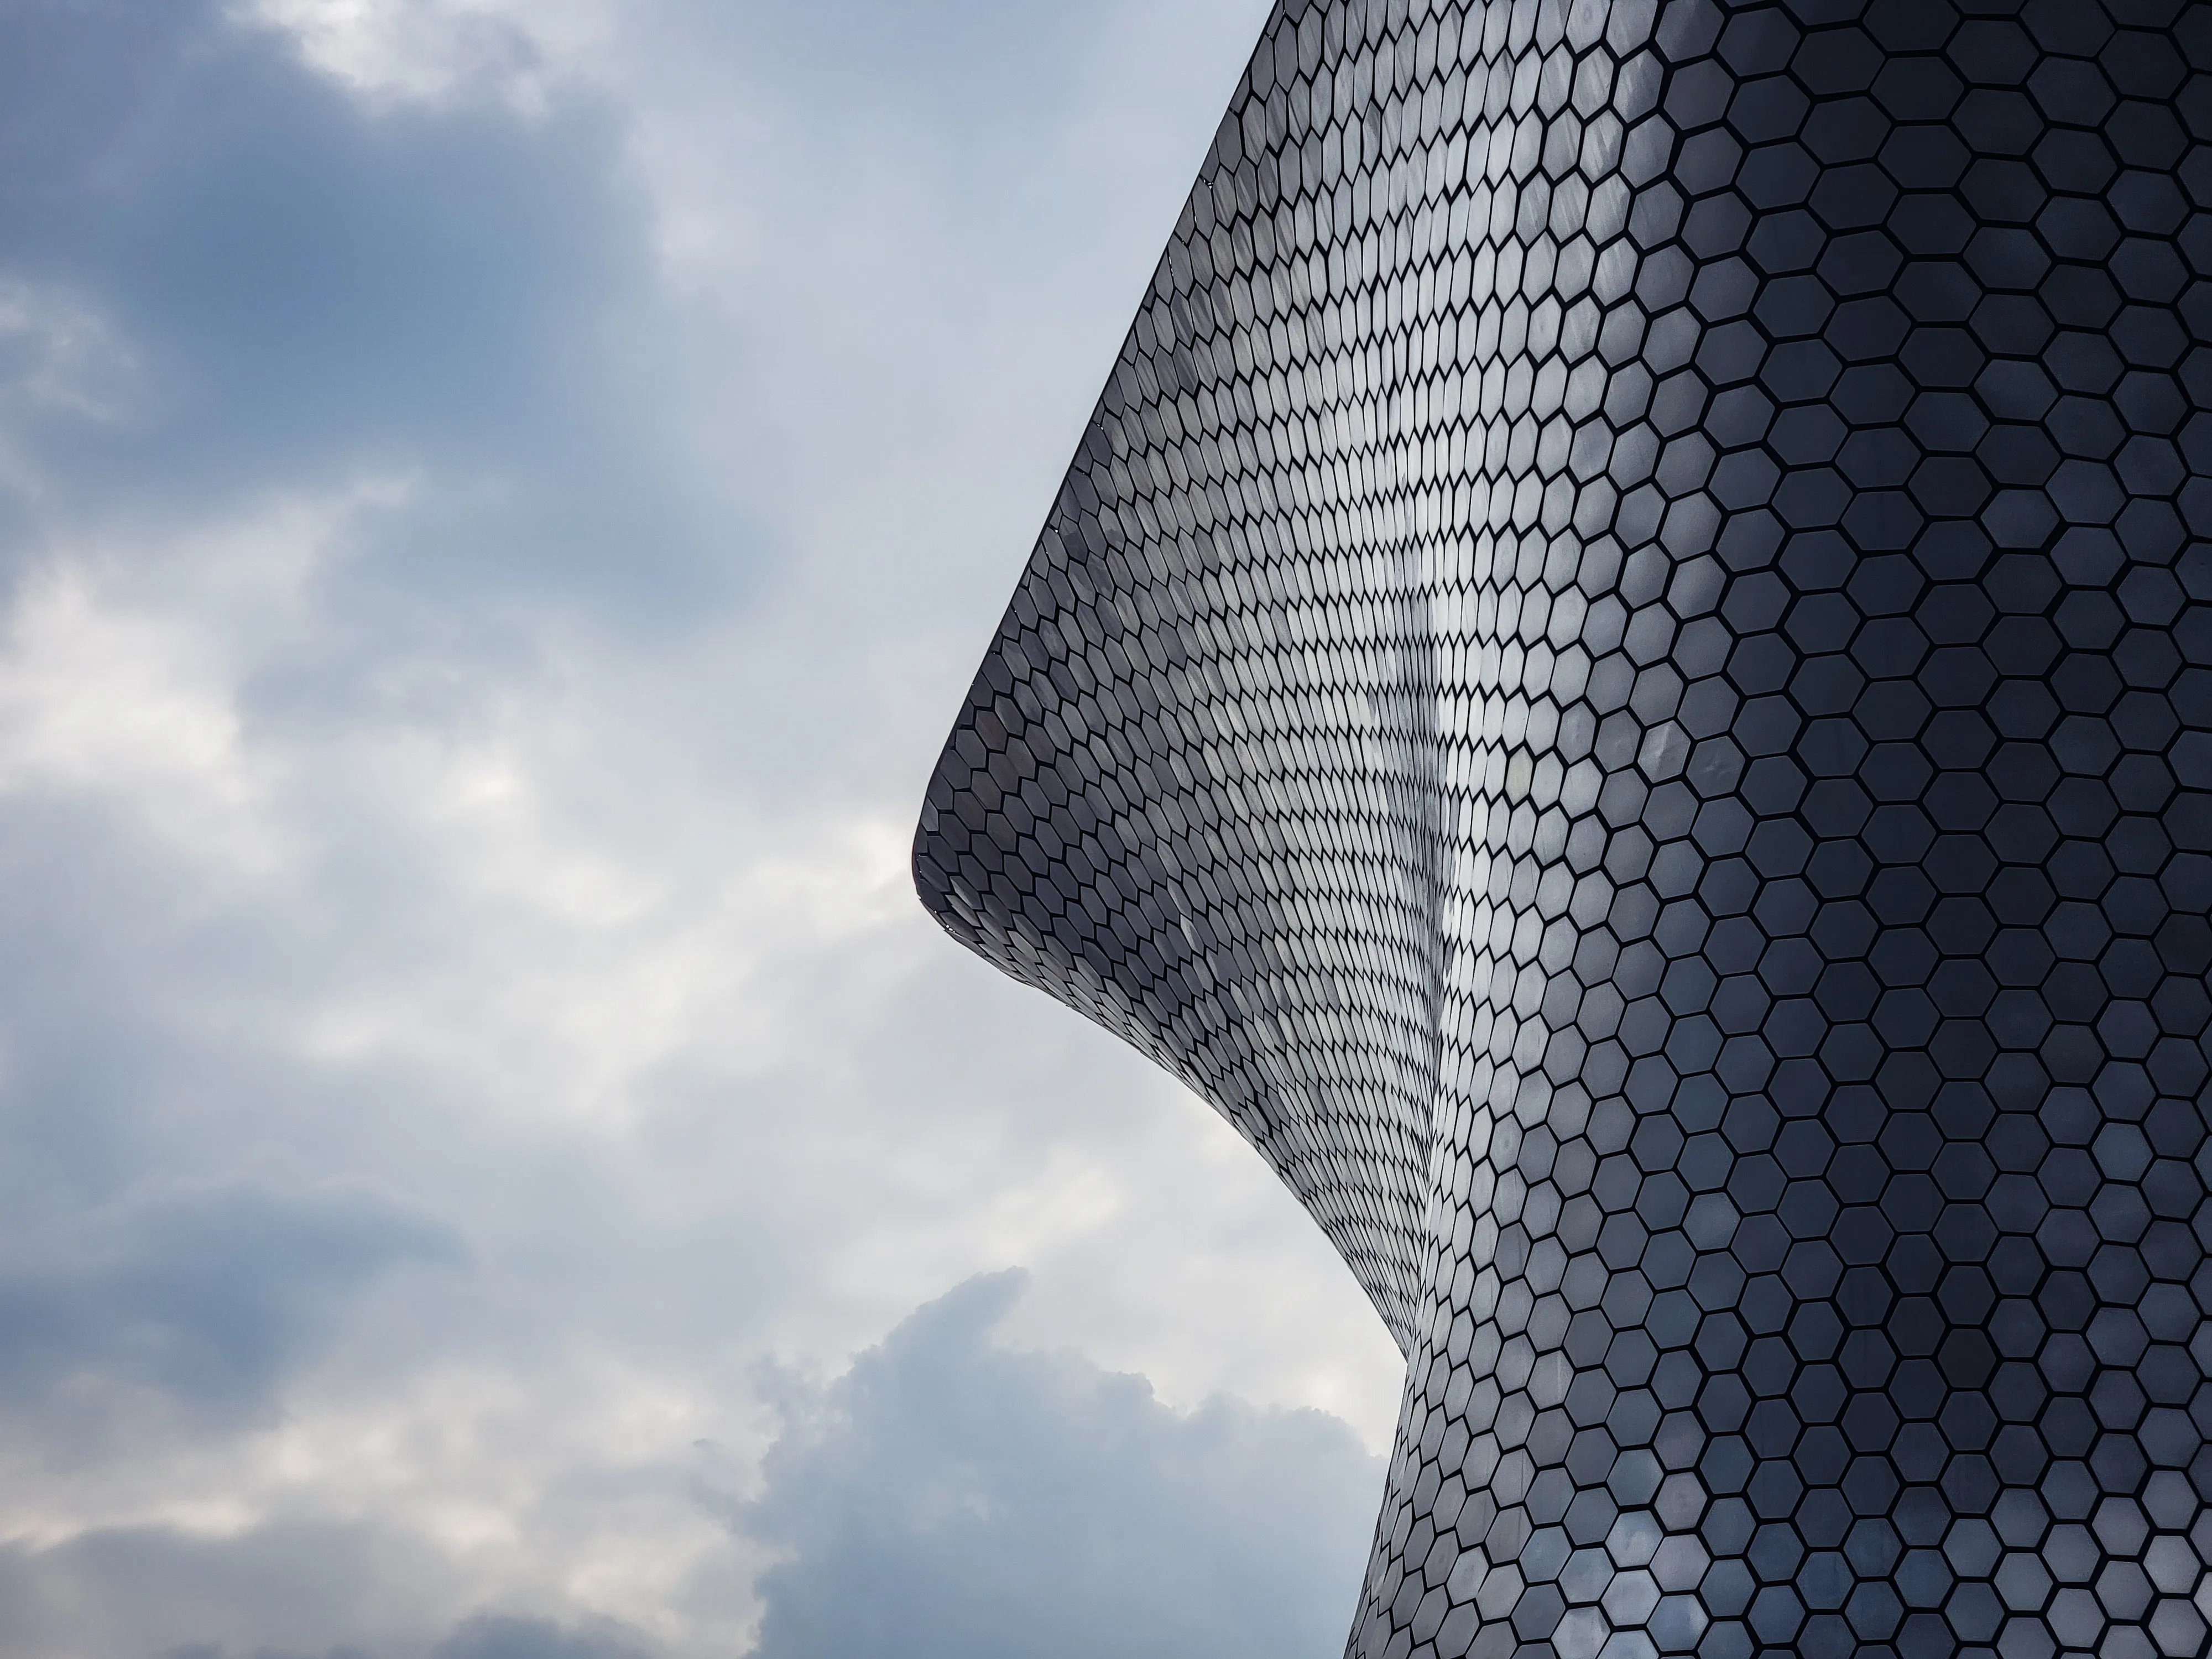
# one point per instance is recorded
(1623, 679)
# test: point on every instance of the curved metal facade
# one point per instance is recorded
(1623, 679)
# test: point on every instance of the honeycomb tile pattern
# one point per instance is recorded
(1622, 679)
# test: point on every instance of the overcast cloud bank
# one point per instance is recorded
(497, 501)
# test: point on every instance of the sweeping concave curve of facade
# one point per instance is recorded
(1622, 679)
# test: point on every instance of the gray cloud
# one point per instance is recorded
(489, 1635)
(486, 1636)
(308, 286)
(275, 1592)
(204, 1293)
(280, 1589)
(946, 1496)
(950, 1497)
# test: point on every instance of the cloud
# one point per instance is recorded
(496, 500)
(282, 1590)
(207, 1294)
(950, 1497)
(489, 1636)
(304, 285)
(947, 1498)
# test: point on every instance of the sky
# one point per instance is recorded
(500, 500)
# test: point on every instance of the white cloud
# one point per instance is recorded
(392, 51)
(120, 668)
